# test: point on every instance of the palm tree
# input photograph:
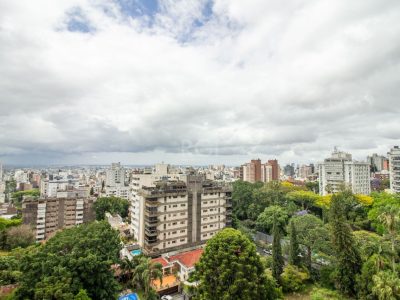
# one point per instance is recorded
(127, 267)
(390, 218)
(145, 272)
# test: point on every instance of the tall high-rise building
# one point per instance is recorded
(266, 173)
(256, 171)
(115, 175)
(178, 215)
(1, 171)
(394, 169)
(339, 169)
(288, 170)
(46, 216)
(275, 168)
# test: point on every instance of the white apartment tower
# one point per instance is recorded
(115, 175)
(394, 169)
(340, 169)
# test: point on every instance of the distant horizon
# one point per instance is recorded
(141, 165)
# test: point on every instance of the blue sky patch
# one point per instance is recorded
(138, 8)
(77, 21)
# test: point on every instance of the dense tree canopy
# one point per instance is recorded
(230, 269)
(265, 220)
(19, 236)
(112, 205)
(348, 260)
(74, 259)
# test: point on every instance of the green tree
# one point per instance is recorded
(231, 269)
(113, 205)
(242, 197)
(294, 250)
(370, 268)
(386, 285)
(91, 191)
(293, 278)
(381, 200)
(313, 186)
(19, 236)
(312, 234)
(144, 273)
(74, 259)
(17, 197)
(82, 295)
(303, 198)
(5, 224)
(277, 257)
(347, 256)
(390, 218)
(265, 220)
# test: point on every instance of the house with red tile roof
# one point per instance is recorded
(176, 269)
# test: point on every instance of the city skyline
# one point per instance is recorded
(197, 82)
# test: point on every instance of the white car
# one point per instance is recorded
(166, 297)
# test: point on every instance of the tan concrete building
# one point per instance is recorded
(49, 215)
(179, 215)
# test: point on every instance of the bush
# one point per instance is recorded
(326, 276)
(325, 294)
(293, 278)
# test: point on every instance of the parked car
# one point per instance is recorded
(268, 252)
(166, 297)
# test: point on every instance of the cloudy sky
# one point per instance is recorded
(197, 82)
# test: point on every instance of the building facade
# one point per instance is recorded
(255, 171)
(115, 175)
(339, 170)
(177, 215)
(378, 162)
(394, 169)
(47, 216)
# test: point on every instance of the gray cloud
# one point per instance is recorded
(255, 79)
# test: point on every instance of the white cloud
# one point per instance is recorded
(254, 79)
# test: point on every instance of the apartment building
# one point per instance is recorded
(178, 215)
(147, 179)
(48, 215)
(115, 175)
(49, 187)
(394, 169)
(339, 170)
(255, 171)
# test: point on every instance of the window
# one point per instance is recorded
(182, 231)
(183, 204)
(182, 240)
